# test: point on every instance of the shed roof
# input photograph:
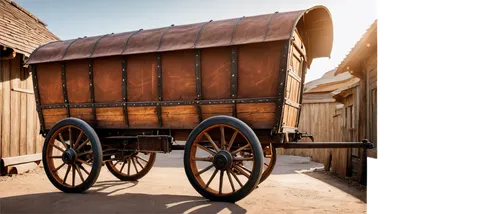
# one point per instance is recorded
(330, 82)
(21, 30)
(363, 48)
(317, 27)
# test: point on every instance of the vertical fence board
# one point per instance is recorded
(15, 111)
(6, 109)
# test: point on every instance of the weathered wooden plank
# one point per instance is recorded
(257, 115)
(1, 106)
(110, 117)
(52, 116)
(214, 110)
(30, 117)
(179, 117)
(142, 117)
(6, 109)
(23, 147)
(15, 108)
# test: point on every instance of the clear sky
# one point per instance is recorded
(70, 19)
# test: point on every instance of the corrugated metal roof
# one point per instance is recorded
(21, 30)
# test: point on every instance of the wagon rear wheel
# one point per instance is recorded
(133, 166)
(72, 155)
(269, 161)
(223, 159)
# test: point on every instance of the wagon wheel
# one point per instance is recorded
(269, 160)
(132, 166)
(208, 155)
(72, 155)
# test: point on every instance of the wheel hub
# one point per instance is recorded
(222, 160)
(69, 156)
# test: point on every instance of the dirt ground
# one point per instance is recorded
(294, 187)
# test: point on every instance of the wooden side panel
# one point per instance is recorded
(257, 115)
(23, 150)
(110, 118)
(77, 81)
(5, 108)
(216, 73)
(15, 105)
(50, 83)
(142, 78)
(52, 116)
(31, 117)
(107, 79)
(83, 113)
(214, 110)
(179, 117)
(258, 69)
(142, 117)
(178, 75)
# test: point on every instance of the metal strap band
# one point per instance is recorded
(126, 43)
(234, 29)
(197, 73)
(91, 88)
(199, 33)
(160, 88)
(65, 91)
(37, 99)
(281, 85)
(64, 54)
(95, 44)
(124, 89)
(162, 35)
(269, 23)
(234, 76)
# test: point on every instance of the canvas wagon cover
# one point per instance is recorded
(314, 25)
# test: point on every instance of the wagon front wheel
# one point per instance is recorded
(72, 155)
(223, 159)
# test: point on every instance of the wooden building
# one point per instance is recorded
(20, 34)
(342, 106)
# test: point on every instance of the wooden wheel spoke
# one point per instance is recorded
(232, 141)
(67, 172)
(83, 144)
(137, 160)
(240, 149)
(142, 159)
(243, 158)
(209, 159)
(57, 147)
(59, 167)
(236, 178)
(204, 170)
(78, 139)
(230, 180)
(73, 177)
(70, 138)
(220, 181)
(85, 153)
(135, 166)
(79, 173)
(83, 168)
(205, 149)
(128, 169)
(123, 165)
(116, 163)
(212, 142)
(222, 138)
(241, 170)
(61, 139)
(266, 164)
(211, 178)
(84, 162)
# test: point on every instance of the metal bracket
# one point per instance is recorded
(281, 86)
(91, 87)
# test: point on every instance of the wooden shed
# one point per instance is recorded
(342, 106)
(20, 33)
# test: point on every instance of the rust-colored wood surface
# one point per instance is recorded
(176, 76)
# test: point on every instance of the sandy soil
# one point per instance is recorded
(294, 187)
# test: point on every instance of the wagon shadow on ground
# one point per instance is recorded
(100, 200)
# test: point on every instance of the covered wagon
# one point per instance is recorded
(230, 89)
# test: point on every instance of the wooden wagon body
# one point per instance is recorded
(251, 68)
(231, 89)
